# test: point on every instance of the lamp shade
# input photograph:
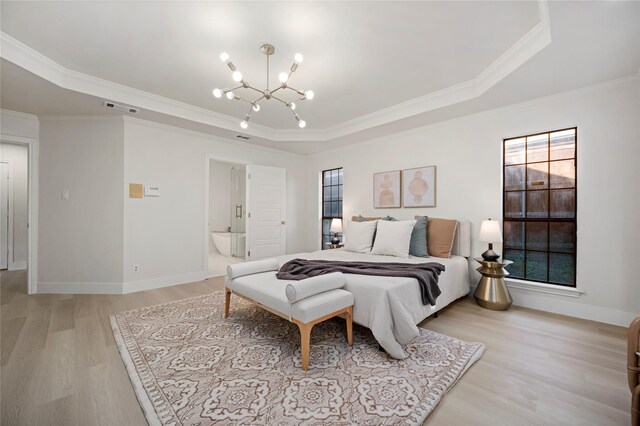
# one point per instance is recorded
(336, 225)
(490, 231)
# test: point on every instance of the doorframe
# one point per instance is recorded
(10, 213)
(207, 171)
(32, 206)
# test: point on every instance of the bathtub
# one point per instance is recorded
(226, 243)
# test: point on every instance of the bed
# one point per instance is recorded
(392, 307)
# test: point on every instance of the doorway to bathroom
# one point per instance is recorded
(227, 215)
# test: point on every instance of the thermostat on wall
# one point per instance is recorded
(151, 191)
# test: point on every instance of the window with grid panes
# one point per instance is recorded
(539, 206)
(331, 203)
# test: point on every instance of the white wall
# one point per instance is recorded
(467, 153)
(166, 235)
(17, 157)
(81, 239)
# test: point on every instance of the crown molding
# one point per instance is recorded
(623, 81)
(524, 49)
(528, 46)
(208, 136)
(17, 114)
(81, 117)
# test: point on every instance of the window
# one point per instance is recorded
(539, 206)
(331, 202)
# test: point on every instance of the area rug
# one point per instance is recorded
(189, 366)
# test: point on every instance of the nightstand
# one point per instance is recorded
(335, 246)
(492, 292)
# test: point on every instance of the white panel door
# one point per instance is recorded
(4, 215)
(266, 211)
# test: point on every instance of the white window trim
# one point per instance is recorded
(513, 283)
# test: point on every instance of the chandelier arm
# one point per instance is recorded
(238, 98)
(225, 91)
(257, 90)
(278, 99)
(275, 90)
(299, 92)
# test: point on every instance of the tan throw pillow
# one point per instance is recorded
(440, 234)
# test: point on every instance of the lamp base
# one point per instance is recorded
(335, 240)
(490, 255)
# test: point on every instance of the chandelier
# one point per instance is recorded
(265, 94)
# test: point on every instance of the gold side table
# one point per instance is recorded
(492, 293)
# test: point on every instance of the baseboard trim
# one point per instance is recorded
(120, 288)
(160, 282)
(79, 288)
(16, 266)
(560, 304)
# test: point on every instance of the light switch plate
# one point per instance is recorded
(151, 191)
(64, 194)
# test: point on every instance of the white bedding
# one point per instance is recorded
(391, 307)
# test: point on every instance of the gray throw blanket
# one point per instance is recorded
(426, 273)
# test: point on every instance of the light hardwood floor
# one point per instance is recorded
(60, 365)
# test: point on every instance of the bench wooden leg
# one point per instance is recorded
(227, 302)
(305, 343)
(349, 319)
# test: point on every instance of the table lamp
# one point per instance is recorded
(336, 226)
(490, 233)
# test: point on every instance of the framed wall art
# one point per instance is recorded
(387, 189)
(419, 187)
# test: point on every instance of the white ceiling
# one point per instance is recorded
(360, 58)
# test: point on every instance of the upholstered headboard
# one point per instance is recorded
(462, 239)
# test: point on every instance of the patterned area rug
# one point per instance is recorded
(189, 366)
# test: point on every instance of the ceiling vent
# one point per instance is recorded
(119, 107)
(243, 137)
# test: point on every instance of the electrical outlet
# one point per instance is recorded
(136, 268)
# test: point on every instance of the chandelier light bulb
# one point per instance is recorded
(302, 124)
(292, 105)
(237, 76)
(283, 77)
(309, 94)
(256, 107)
(298, 58)
(224, 56)
(230, 95)
(217, 93)
(244, 124)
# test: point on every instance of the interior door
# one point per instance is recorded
(4, 215)
(266, 211)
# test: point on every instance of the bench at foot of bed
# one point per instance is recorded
(304, 303)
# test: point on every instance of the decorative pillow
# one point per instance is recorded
(393, 238)
(359, 236)
(440, 235)
(418, 244)
(361, 218)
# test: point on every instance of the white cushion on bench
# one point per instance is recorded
(298, 290)
(264, 288)
(249, 268)
(315, 307)
(269, 291)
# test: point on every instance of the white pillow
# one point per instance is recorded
(393, 238)
(359, 236)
